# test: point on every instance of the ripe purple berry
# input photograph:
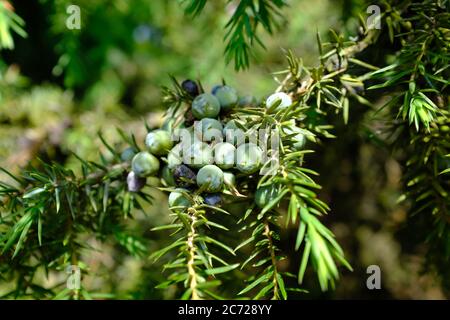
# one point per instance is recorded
(134, 182)
(213, 199)
(190, 87)
(184, 175)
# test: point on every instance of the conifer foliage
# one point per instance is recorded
(232, 241)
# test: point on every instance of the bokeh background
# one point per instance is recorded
(59, 87)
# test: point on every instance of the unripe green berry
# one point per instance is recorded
(175, 156)
(159, 142)
(248, 158)
(299, 139)
(215, 88)
(177, 199)
(264, 195)
(233, 134)
(198, 155)
(232, 124)
(229, 179)
(211, 177)
(208, 130)
(144, 164)
(205, 105)
(128, 154)
(227, 97)
(224, 155)
(280, 97)
(188, 136)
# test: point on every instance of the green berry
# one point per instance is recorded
(224, 155)
(187, 136)
(229, 179)
(211, 177)
(233, 134)
(248, 158)
(127, 154)
(227, 97)
(178, 199)
(144, 164)
(198, 155)
(159, 142)
(215, 88)
(298, 138)
(300, 141)
(208, 129)
(281, 98)
(231, 125)
(205, 106)
(175, 156)
(264, 195)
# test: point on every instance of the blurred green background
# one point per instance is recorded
(59, 87)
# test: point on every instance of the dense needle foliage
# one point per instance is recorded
(398, 73)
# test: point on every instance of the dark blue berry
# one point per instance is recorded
(184, 175)
(213, 199)
(190, 87)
